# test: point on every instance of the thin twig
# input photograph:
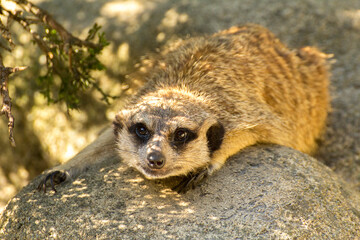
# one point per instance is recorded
(5, 33)
(4, 92)
(46, 18)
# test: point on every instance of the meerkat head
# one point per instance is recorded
(167, 134)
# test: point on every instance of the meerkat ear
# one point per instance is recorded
(117, 124)
(215, 135)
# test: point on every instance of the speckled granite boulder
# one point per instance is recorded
(267, 192)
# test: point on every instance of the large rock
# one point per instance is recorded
(263, 192)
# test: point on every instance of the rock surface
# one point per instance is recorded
(264, 192)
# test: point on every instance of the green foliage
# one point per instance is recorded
(72, 63)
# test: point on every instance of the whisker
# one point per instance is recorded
(124, 150)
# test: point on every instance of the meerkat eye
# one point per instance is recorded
(141, 131)
(181, 135)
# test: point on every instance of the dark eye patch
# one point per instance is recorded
(181, 136)
(141, 132)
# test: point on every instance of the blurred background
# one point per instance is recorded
(46, 135)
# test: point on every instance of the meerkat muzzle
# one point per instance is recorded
(156, 160)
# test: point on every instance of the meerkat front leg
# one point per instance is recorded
(191, 180)
(101, 149)
(233, 141)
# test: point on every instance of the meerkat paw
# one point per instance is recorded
(191, 181)
(54, 178)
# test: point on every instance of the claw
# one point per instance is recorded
(191, 181)
(55, 177)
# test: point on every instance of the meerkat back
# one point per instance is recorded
(286, 90)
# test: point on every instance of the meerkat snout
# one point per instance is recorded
(156, 160)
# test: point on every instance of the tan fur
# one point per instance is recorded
(242, 78)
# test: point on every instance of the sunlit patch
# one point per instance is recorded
(123, 9)
(123, 52)
(136, 180)
(9, 5)
(173, 18)
(350, 18)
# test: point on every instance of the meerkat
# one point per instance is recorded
(206, 99)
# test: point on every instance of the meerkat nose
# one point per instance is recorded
(156, 160)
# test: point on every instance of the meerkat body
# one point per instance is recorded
(208, 98)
